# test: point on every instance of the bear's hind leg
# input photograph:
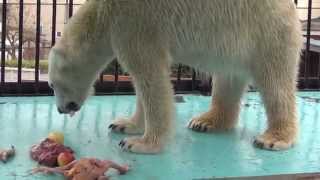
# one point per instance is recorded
(277, 86)
(224, 111)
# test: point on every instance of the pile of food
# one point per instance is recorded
(51, 152)
(55, 157)
(84, 169)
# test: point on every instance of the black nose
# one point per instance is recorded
(60, 110)
(72, 106)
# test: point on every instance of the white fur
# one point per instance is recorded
(236, 40)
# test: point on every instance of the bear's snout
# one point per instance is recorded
(72, 106)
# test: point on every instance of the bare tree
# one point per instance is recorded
(12, 31)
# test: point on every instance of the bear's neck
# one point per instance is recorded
(86, 37)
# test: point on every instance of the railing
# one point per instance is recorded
(184, 79)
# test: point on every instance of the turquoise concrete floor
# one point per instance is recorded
(26, 120)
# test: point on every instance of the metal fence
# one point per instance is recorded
(185, 80)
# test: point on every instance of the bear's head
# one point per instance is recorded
(71, 81)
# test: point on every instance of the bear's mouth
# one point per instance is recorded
(72, 113)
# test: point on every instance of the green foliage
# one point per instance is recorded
(186, 71)
(43, 64)
(111, 68)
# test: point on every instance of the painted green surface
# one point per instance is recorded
(26, 120)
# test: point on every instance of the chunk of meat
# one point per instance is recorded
(47, 152)
(6, 154)
(85, 169)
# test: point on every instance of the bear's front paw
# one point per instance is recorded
(140, 145)
(210, 121)
(274, 141)
(126, 126)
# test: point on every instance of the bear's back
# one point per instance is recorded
(231, 27)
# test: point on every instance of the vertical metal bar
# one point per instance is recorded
(179, 73)
(116, 76)
(20, 41)
(307, 53)
(318, 71)
(193, 80)
(178, 84)
(101, 77)
(210, 85)
(3, 43)
(37, 58)
(54, 22)
(70, 8)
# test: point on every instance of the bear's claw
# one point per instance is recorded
(126, 127)
(139, 145)
(269, 142)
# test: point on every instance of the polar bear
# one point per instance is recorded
(237, 41)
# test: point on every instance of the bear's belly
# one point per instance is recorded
(210, 62)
